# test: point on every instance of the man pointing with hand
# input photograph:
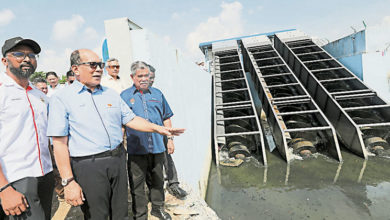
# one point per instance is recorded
(85, 122)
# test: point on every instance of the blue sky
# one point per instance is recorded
(62, 26)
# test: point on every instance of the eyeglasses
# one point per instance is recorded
(114, 66)
(21, 56)
(93, 65)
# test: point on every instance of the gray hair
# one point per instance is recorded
(138, 65)
(112, 59)
(151, 68)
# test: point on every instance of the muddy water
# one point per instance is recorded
(317, 188)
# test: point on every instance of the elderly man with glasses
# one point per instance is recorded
(112, 79)
(85, 122)
(26, 177)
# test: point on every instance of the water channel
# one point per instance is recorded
(316, 188)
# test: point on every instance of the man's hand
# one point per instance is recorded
(74, 194)
(170, 146)
(176, 131)
(13, 202)
(169, 131)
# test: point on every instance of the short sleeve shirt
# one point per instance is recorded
(153, 107)
(91, 120)
(24, 150)
(118, 85)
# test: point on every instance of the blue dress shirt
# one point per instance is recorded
(91, 120)
(152, 106)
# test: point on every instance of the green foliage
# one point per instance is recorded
(36, 75)
(42, 75)
(62, 80)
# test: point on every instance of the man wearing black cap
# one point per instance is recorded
(26, 178)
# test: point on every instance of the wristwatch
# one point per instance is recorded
(65, 182)
(170, 138)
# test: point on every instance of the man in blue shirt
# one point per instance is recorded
(85, 121)
(146, 150)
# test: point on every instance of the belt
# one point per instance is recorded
(110, 153)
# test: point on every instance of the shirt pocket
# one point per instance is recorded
(113, 113)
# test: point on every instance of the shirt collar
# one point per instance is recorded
(57, 86)
(112, 78)
(8, 81)
(79, 87)
(135, 90)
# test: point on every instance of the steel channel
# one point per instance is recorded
(346, 128)
(279, 130)
(279, 136)
(249, 105)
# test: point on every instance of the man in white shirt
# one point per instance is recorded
(26, 177)
(112, 79)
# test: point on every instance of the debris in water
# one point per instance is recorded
(231, 162)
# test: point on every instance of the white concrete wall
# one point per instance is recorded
(187, 89)
(118, 38)
(376, 61)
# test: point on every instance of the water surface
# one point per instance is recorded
(317, 188)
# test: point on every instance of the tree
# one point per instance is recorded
(62, 80)
(36, 75)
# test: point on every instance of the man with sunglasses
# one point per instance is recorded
(26, 177)
(86, 125)
(112, 79)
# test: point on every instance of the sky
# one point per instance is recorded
(63, 26)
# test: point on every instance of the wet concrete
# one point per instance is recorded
(316, 188)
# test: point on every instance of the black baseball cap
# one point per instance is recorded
(16, 41)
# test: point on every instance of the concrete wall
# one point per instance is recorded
(349, 51)
(366, 54)
(187, 89)
(376, 62)
(118, 38)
